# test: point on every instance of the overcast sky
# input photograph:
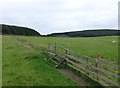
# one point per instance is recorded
(48, 16)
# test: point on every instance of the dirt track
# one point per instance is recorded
(74, 77)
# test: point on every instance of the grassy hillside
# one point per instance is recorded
(87, 46)
(26, 66)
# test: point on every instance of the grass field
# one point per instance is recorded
(24, 65)
(87, 46)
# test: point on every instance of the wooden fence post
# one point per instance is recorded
(65, 50)
(97, 64)
(55, 48)
(87, 66)
(48, 47)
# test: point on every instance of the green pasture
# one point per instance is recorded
(87, 46)
(23, 65)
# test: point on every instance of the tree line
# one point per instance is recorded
(88, 33)
(15, 30)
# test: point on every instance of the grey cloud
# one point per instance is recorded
(48, 16)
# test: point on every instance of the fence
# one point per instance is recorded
(101, 70)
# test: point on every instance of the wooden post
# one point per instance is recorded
(65, 55)
(87, 66)
(55, 48)
(65, 51)
(97, 64)
(48, 47)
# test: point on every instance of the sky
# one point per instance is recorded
(50, 16)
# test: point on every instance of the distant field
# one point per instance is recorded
(87, 46)
(24, 65)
